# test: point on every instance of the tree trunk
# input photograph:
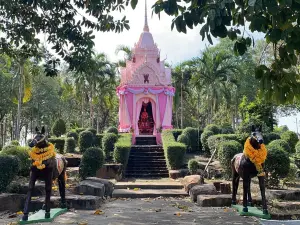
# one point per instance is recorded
(82, 109)
(91, 108)
(20, 97)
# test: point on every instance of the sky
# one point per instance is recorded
(177, 47)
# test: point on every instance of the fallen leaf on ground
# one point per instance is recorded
(13, 223)
(20, 213)
(136, 189)
(157, 210)
(177, 214)
(226, 210)
(83, 223)
(54, 188)
(67, 185)
(98, 212)
(34, 198)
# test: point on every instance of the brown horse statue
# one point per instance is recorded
(243, 166)
(47, 166)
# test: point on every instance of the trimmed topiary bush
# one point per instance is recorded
(291, 138)
(277, 164)
(297, 148)
(113, 130)
(204, 137)
(215, 140)
(193, 143)
(281, 143)
(176, 133)
(93, 130)
(174, 151)
(79, 130)
(91, 161)
(226, 129)
(74, 135)
(108, 143)
(122, 149)
(70, 145)
(213, 128)
(58, 128)
(226, 151)
(269, 137)
(193, 166)
(59, 144)
(15, 142)
(98, 140)
(22, 154)
(86, 140)
(184, 140)
(9, 168)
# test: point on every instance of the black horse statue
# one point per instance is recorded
(243, 167)
(47, 166)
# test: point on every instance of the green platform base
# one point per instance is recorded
(252, 211)
(39, 216)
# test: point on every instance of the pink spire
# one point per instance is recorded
(146, 27)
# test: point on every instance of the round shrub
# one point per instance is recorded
(108, 143)
(112, 130)
(291, 138)
(245, 126)
(122, 149)
(280, 143)
(193, 166)
(184, 139)
(270, 137)
(226, 151)
(214, 140)
(277, 164)
(213, 128)
(91, 161)
(6, 147)
(70, 145)
(59, 144)
(22, 154)
(297, 148)
(15, 142)
(86, 140)
(93, 130)
(176, 133)
(9, 169)
(204, 136)
(58, 128)
(79, 130)
(193, 143)
(98, 140)
(74, 135)
(227, 129)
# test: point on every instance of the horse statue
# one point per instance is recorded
(47, 166)
(248, 165)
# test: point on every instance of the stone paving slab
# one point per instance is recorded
(161, 211)
(148, 193)
(147, 185)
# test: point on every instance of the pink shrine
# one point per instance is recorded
(145, 92)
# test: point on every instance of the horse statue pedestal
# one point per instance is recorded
(252, 211)
(39, 216)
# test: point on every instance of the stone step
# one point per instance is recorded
(146, 137)
(145, 167)
(146, 146)
(148, 154)
(214, 200)
(288, 195)
(287, 205)
(146, 161)
(145, 157)
(147, 175)
(146, 150)
(148, 185)
(145, 171)
(148, 193)
(73, 159)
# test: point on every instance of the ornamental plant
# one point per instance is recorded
(86, 140)
(92, 160)
(74, 135)
(193, 166)
(291, 138)
(282, 144)
(58, 128)
(9, 167)
(204, 137)
(70, 145)
(108, 143)
(113, 130)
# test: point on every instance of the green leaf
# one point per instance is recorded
(209, 39)
(188, 19)
(133, 3)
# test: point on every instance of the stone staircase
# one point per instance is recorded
(146, 159)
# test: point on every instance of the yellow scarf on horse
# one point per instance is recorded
(256, 156)
(38, 155)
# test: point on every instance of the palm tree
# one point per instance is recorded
(128, 54)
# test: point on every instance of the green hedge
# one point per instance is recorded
(74, 135)
(226, 151)
(92, 160)
(291, 138)
(22, 154)
(193, 137)
(176, 133)
(297, 148)
(193, 166)
(86, 140)
(58, 128)
(214, 140)
(280, 143)
(79, 130)
(204, 137)
(9, 167)
(122, 149)
(213, 128)
(268, 137)
(113, 130)
(174, 151)
(98, 140)
(70, 145)
(59, 144)
(277, 163)
(93, 130)
(15, 142)
(226, 129)
(108, 143)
